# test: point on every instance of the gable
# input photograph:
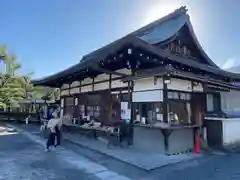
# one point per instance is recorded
(175, 25)
(182, 44)
(177, 47)
(180, 48)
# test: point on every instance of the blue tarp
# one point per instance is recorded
(232, 114)
(229, 114)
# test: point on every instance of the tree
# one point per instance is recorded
(11, 85)
(11, 65)
(15, 87)
(3, 53)
(47, 97)
(11, 91)
(56, 94)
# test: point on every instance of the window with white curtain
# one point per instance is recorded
(210, 102)
(213, 102)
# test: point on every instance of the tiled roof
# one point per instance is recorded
(153, 33)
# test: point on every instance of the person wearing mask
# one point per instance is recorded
(53, 125)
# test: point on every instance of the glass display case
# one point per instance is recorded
(148, 112)
(90, 111)
(82, 110)
(179, 108)
(93, 112)
(96, 112)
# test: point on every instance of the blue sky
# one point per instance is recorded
(50, 35)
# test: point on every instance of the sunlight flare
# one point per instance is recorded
(157, 11)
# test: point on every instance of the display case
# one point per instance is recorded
(148, 112)
(81, 110)
(90, 111)
(96, 112)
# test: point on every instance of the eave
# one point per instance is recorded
(90, 62)
(172, 72)
(136, 43)
(184, 60)
(134, 40)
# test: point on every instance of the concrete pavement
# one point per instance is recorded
(22, 156)
(212, 167)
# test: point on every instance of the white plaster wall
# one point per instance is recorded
(179, 84)
(86, 88)
(101, 77)
(147, 96)
(87, 81)
(230, 101)
(197, 87)
(64, 92)
(101, 86)
(64, 86)
(75, 83)
(118, 83)
(231, 132)
(74, 90)
(125, 71)
(147, 84)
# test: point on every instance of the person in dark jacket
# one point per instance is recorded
(49, 114)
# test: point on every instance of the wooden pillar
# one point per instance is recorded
(129, 95)
(93, 84)
(130, 103)
(68, 89)
(165, 133)
(110, 99)
(75, 111)
(130, 106)
(165, 100)
(61, 108)
(80, 86)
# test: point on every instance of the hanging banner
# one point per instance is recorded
(235, 83)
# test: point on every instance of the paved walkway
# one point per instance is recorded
(61, 158)
(132, 156)
(21, 158)
(212, 167)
